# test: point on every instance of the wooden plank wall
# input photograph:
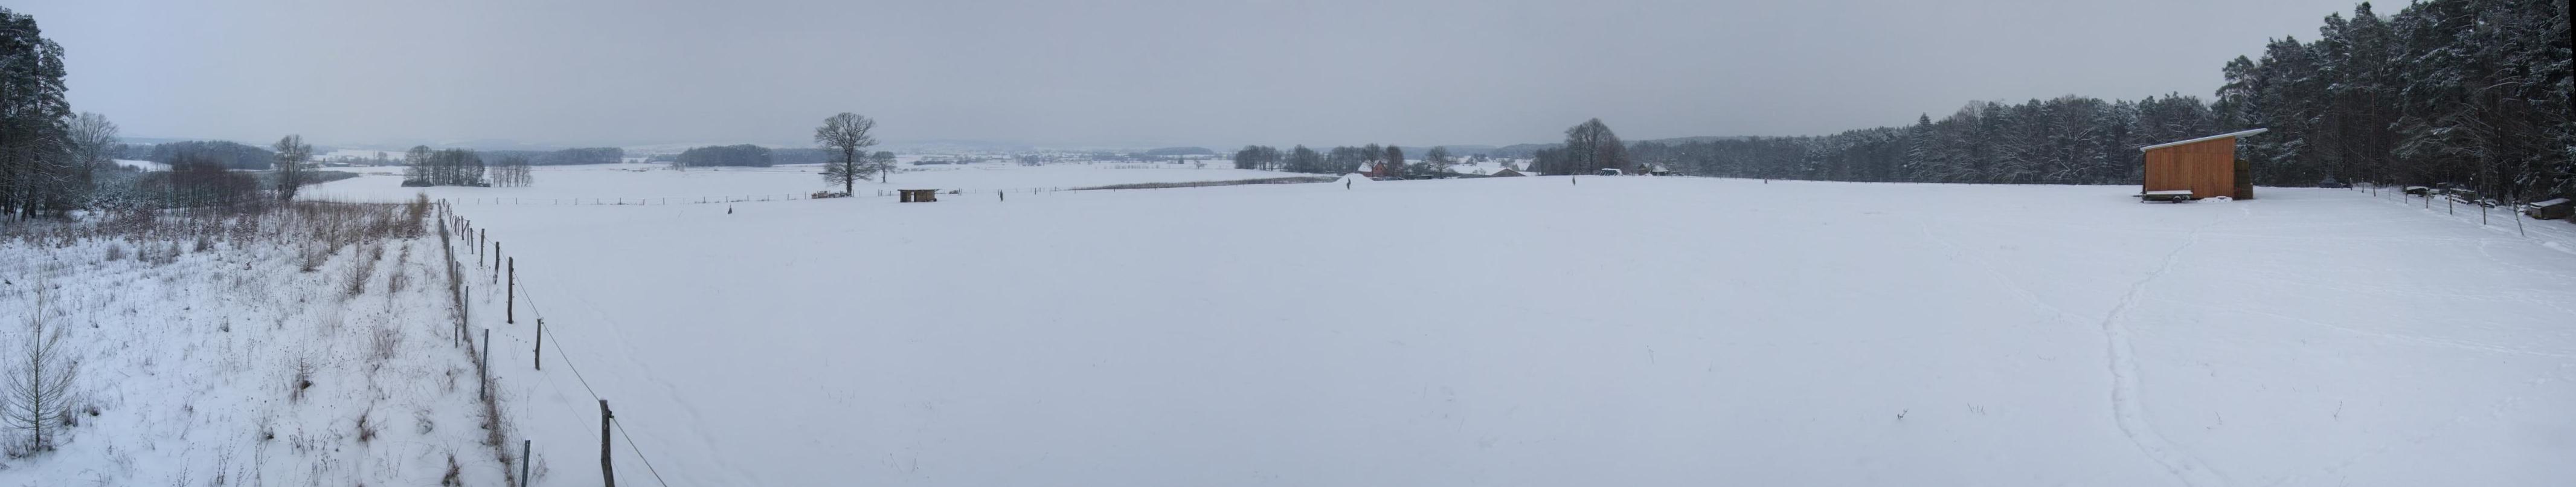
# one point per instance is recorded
(2206, 168)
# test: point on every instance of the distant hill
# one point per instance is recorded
(1686, 140)
(1416, 152)
(1522, 150)
(1181, 151)
(1531, 150)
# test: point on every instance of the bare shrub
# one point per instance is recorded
(359, 271)
(168, 254)
(205, 242)
(415, 216)
(454, 472)
(303, 380)
(386, 341)
(115, 252)
(400, 275)
(315, 257)
(366, 431)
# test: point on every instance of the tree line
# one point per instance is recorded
(1435, 162)
(53, 161)
(2445, 91)
(563, 157)
(423, 166)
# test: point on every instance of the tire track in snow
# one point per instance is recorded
(2125, 406)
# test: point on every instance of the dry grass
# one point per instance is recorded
(366, 430)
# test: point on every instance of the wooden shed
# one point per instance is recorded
(2206, 166)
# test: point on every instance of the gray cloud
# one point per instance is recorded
(1117, 73)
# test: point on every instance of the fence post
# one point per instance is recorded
(523, 463)
(510, 311)
(2516, 212)
(607, 473)
(540, 353)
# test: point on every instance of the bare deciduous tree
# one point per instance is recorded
(513, 171)
(1437, 161)
(883, 163)
(846, 137)
(294, 165)
(93, 139)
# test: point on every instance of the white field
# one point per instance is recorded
(658, 184)
(189, 359)
(143, 165)
(1528, 331)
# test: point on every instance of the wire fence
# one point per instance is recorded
(755, 198)
(478, 350)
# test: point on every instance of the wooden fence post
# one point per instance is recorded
(510, 311)
(540, 352)
(523, 463)
(607, 473)
(486, 365)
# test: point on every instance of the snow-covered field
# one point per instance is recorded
(257, 356)
(1531, 331)
(143, 165)
(658, 184)
(1517, 331)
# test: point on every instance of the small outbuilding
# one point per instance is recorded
(2206, 166)
(2550, 209)
(1507, 173)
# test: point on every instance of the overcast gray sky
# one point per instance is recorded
(1117, 73)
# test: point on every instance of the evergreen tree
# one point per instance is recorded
(38, 172)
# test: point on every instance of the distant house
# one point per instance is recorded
(1373, 170)
(1660, 170)
(1507, 173)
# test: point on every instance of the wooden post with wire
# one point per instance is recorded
(510, 311)
(540, 353)
(607, 473)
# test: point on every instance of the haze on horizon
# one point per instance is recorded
(1117, 74)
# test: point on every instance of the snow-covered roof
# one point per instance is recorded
(2549, 203)
(2203, 139)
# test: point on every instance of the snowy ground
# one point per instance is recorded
(190, 359)
(143, 165)
(658, 184)
(1532, 331)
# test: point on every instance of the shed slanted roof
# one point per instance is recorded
(2202, 139)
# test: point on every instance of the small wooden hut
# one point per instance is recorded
(2206, 166)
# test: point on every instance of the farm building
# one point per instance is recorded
(2206, 166)
(1375, 170)
(1507, 172)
